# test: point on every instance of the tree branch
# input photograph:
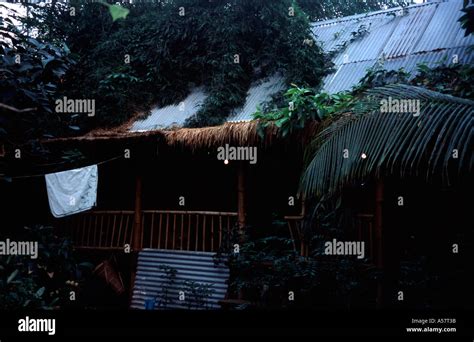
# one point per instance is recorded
(13, 109)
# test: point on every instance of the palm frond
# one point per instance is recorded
(398, 144)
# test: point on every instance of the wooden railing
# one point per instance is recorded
(100, 229)
(161, 229)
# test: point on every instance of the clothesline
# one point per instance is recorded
(43, 174)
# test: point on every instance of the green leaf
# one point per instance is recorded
(12, 276)
(395, 143)
(118, 12)
(40, 292)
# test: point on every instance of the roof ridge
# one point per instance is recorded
(372, 14)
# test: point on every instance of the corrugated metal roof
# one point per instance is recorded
(407, 31)
(426, 33)
(346, 76)
(173, 115)
(444, 30)
(258, 94)
(197, 267)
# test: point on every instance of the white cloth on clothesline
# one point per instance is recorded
(72, 191)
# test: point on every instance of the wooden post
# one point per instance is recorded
(240, 208)
(136, 232)
(241, 199)
(137, 222)
(379, 194)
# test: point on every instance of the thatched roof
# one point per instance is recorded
(166, 123)
(237, 133)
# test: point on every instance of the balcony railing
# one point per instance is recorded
(160, 229)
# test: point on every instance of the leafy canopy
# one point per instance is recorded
(162, 50)
(392, 143)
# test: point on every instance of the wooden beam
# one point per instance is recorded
(136, 233)
(378, 225)
(241, 199)
(379, 193)
(137, 222)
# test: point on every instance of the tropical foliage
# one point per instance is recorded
(326, 9)
(453, 79)
(437, 143)
(158, 51)
(164, 49)
(32, 71)
(301, 105)
(47, 281)
(467, 20)
(269, 272)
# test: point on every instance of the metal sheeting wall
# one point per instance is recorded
(198, 267)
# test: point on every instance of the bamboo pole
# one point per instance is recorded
(189, 232)
(113, 230)
(204, 233)
(142, 230)
(137, 228)
(125, 234)
(96, 229)
(182, 232)
(220, 231)
(137, 224)
(151, 229)
(159, 230)
(166, 231)
(107, 230)
(197, 233)
(120, 230)
(174, 230)
(212, 233)
(379, 197)
(198, 212)
(241, 199)
(101, 229)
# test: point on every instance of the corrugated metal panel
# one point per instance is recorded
(428, 33)
(174, 115)
(371, 45)
(346, 76)
(444, 30)
(258, 94)
(408, 31)
(198, 267)
(403, 32)
(405, 40)
(432, 59)
(331, 35)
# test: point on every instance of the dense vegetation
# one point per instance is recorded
(156, 56)
(54, 279)
(162, 50)
(159, 52)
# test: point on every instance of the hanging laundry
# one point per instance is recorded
(72, 191)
